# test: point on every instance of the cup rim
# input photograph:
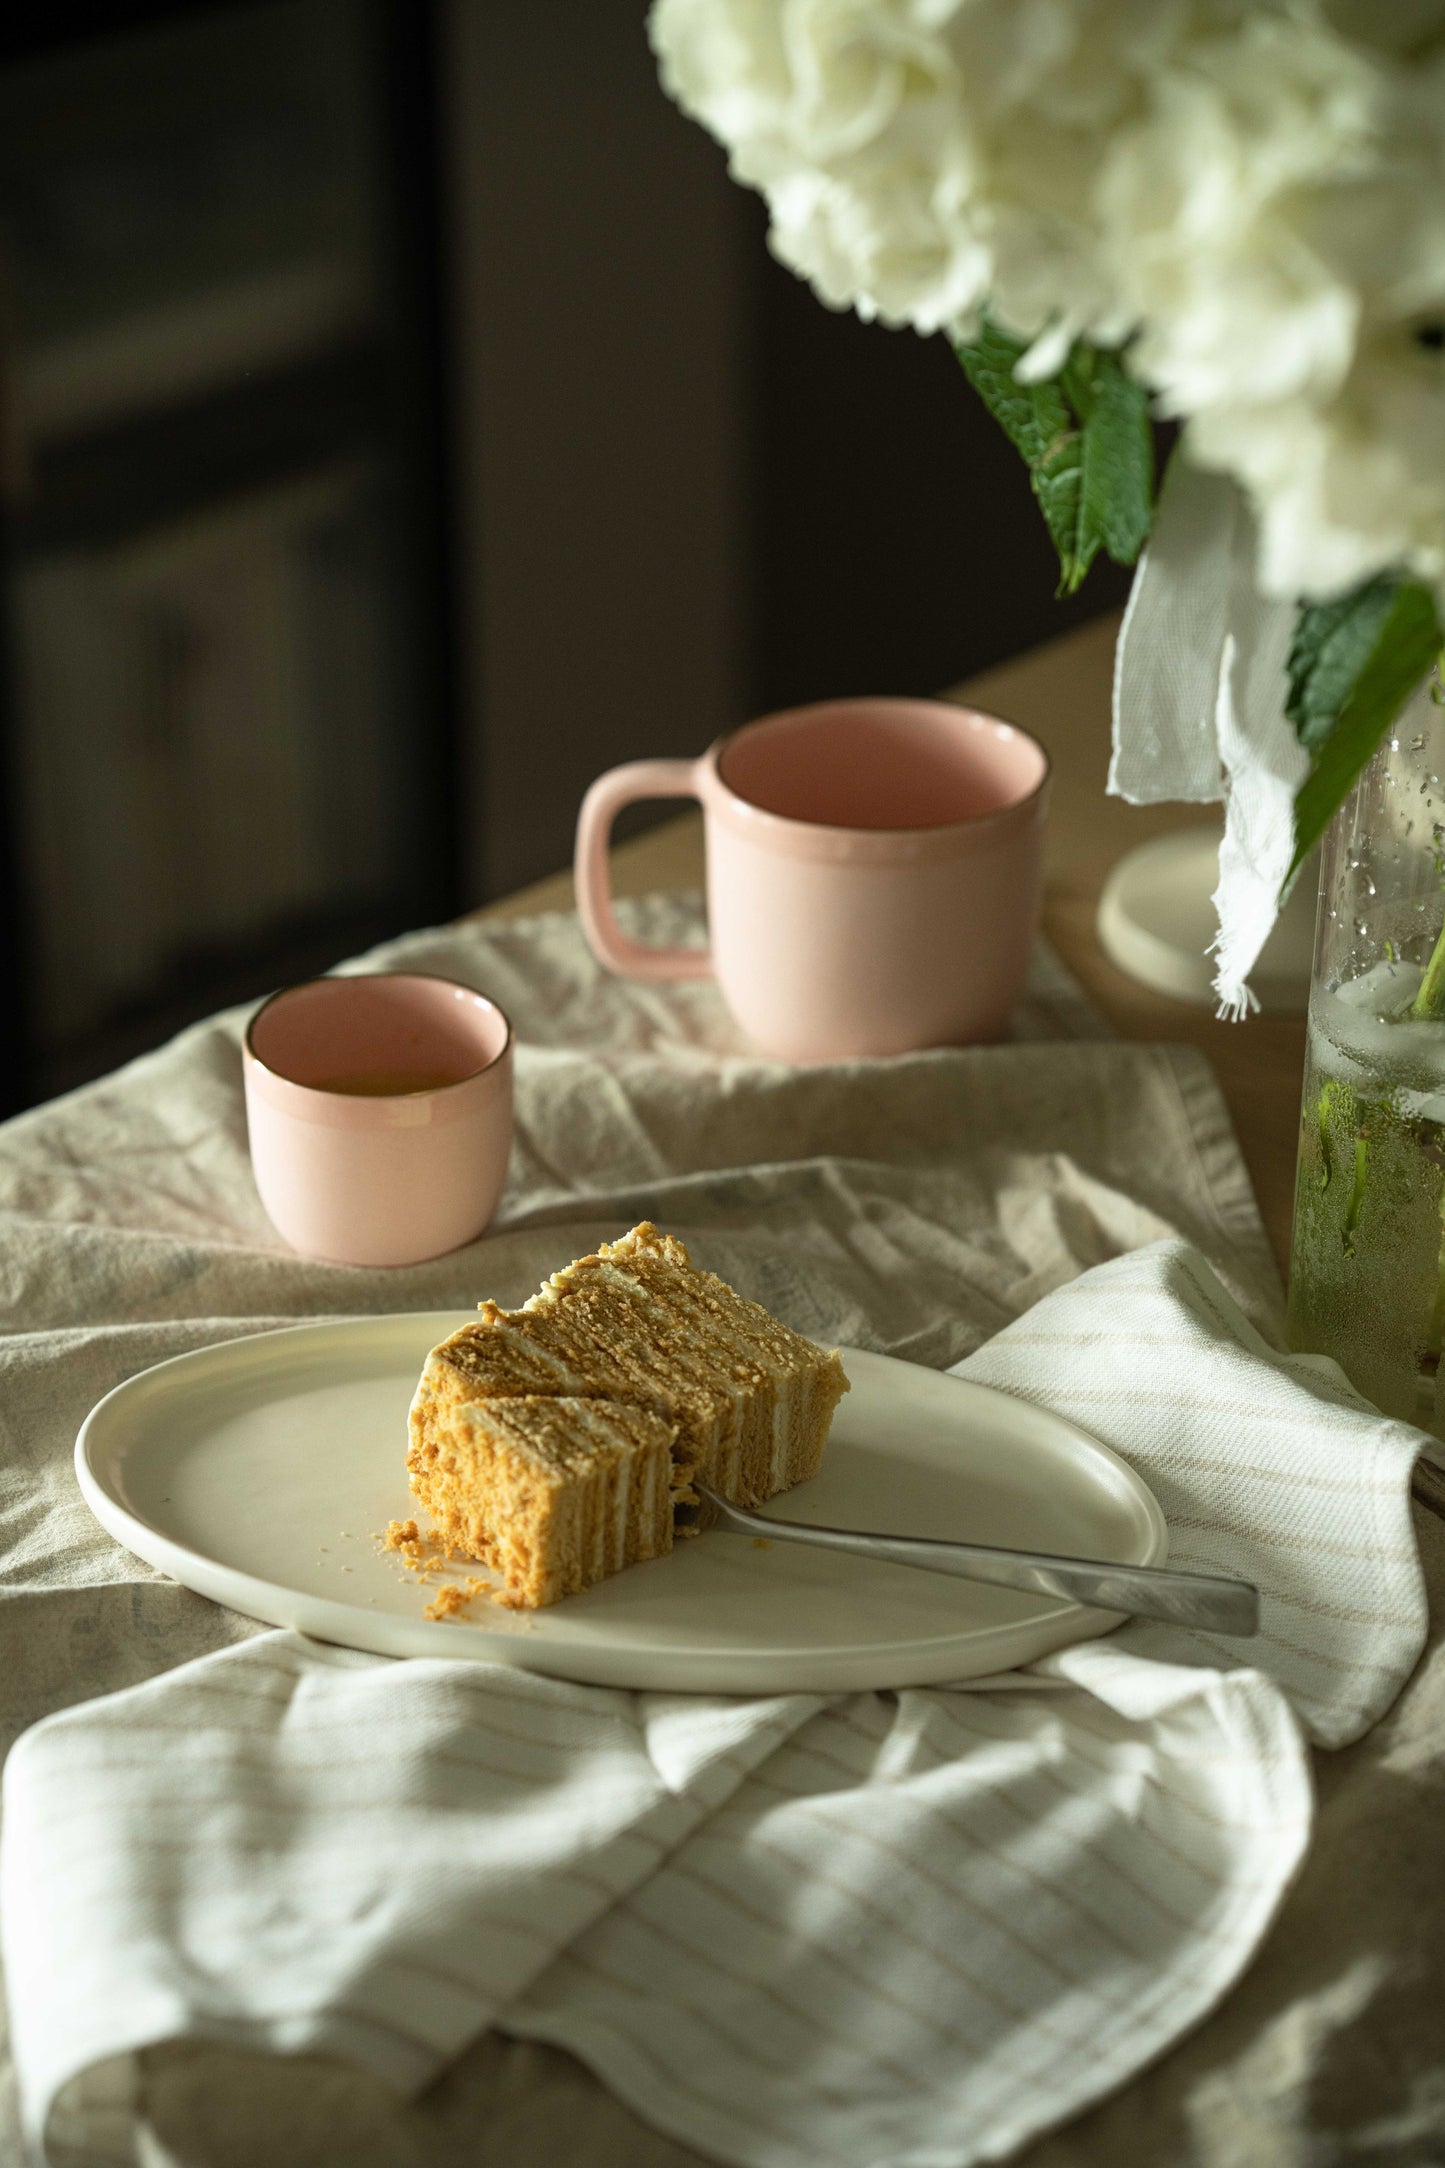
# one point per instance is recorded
(713, 759)
(335, 978)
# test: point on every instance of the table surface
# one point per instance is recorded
(1061, 692)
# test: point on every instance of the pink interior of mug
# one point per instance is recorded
(882, 764)
(383, 1034)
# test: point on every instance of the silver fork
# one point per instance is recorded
(1183, 1599)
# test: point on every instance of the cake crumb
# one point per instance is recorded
(447, 1602)
(762, 1543)
(453, 1598)
(416, 1553)
(407, 1539)
(421, 1554)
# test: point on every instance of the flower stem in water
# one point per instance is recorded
(1357, 1194)
(1429, 1003)
(1435, 1331)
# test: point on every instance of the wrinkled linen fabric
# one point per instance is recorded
(913, 1928)
(1199, 694)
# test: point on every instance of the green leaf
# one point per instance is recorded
(1352, 666)
(1034, 417)
(1038, 423)
(1118, 476)
(1085, 440)
(1332, 642)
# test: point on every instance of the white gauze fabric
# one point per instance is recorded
(1199, 690)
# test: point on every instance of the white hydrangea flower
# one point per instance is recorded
(1348, 476)
(1348, 489)
(1207, 205)
(1253, 195)
(922, 156)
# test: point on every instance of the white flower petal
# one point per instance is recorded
(1250, 192)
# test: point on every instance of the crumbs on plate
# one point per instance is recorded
(422, 1555)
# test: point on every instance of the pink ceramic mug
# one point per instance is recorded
(873, 873)
(380, 1112)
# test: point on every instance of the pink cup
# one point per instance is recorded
(380, 1112)
(873, 874)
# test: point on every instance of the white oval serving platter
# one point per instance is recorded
(261, 1472)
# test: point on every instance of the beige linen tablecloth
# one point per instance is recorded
(847, 1197)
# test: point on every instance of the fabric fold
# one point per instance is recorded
(916, 1928)
(306, 1850)
(760, 1922)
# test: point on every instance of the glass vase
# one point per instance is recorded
(1367, 1258)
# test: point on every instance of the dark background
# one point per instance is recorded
(897, 545)
(401, 419)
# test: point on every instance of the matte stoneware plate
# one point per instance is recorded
(260, 1472)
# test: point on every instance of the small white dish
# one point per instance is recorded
(260, 1473)
(1158, 923)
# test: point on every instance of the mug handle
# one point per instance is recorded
(600, 808)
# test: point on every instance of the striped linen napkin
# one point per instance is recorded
(807, 1932)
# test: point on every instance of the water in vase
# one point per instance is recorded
(1367, 1269)
(1367, 1262)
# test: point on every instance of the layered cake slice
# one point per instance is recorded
(638, 1331)
(552, 1493)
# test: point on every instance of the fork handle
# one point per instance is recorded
(1161, 1592)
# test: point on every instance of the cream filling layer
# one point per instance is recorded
(782, 1430)
(609, 1535)
(544, 1355)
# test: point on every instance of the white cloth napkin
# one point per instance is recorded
(809, 1932)
(1199, 693)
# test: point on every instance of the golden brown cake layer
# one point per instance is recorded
(552, 1493)
(745, 1400)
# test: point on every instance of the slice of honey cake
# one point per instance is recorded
(553, 1493)
(747, 1401)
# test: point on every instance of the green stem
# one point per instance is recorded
(1334, 1105)
(1356, 1203)
(1429, 1003)
(1435, 1335)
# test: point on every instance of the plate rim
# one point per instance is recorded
(919, 1661)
